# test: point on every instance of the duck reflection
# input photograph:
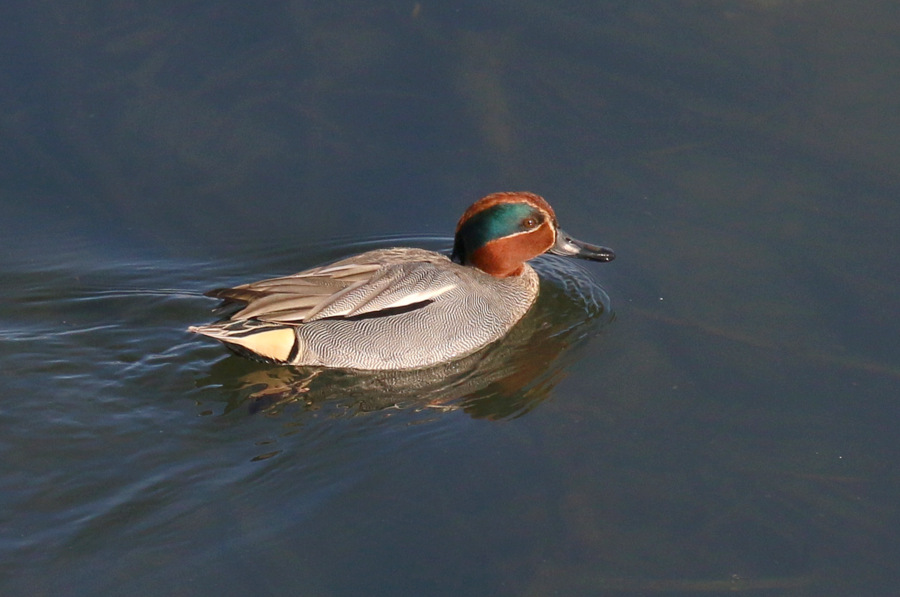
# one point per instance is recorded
(506, 379)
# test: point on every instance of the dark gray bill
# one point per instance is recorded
(570, 247)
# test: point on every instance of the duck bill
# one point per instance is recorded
(570, 247)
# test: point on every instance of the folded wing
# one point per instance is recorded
(342, 290)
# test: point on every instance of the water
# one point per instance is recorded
(712, 412)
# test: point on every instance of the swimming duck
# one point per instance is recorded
(402, 308)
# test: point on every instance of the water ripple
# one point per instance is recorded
(116, 420)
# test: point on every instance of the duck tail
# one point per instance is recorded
(259, 340)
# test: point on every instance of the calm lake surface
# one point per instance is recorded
(714, 411)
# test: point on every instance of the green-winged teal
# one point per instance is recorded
(403, 308)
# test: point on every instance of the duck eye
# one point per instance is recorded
(530, 223)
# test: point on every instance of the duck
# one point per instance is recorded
(402, 307)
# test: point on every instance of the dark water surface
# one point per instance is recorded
(724, 420)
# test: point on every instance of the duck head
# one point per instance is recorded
(502, 231)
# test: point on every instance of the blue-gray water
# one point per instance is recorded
(724, 421)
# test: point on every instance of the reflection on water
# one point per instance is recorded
(508, 378)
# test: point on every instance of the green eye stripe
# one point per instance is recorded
(494, 222)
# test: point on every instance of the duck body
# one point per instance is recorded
(402, 308)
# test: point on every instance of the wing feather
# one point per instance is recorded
(347, 288)
(394, 286)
